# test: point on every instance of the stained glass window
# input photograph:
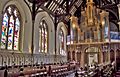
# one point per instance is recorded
(61, 42)
(10, 28)
(10, 33)
(105, 28)
(43, 37)
(16, 34)
(4, 31)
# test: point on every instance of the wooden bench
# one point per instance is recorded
(2, 73)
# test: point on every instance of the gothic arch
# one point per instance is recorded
(92, 55)
(111, 11)
(112, 55)
(113, 26)
(61, 26)
(39, 17)
(93, 48)
(26, 24)
(87, 47)
(117, 53)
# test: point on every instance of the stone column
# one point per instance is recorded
(109, 54)
(76, 55)
(82, 61)
(71, 55)
(115, 54)
(0, 19)
(119, 15)
(108, 38)
(101, 56)
(74, 29)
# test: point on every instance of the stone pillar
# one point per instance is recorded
(115, 54)
(101, 56)
(109, 54)
(119, 15)
(82, 61)
(76, 56)
(74, 29)
(71, 57)
(1, 13)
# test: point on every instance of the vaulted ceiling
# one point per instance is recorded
(61, 10)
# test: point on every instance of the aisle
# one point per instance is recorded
(71, 75)
(117, 73)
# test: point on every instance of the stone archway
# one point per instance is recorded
(117, 58)
(1, 60)
(68, 56)
(39, 17)
(92, 55)
(26, 22)
(61, 40)
(73, 55)
(61, 26)
(78, 56)
(112, 55)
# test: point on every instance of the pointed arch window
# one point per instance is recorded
(106, 30)
(10, 28)
(61, 42)
(43, 37)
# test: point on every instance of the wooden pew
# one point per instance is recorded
(2, 73)
(35, 71)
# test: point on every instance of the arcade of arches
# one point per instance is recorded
(89, 40)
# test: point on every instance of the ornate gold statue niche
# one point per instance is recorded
(89, 12)
(90, 22)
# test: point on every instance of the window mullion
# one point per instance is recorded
(40, 39)
(63, 40)
(40, 43)
(20, 31)
(44, 38)
(13, 34)
(47, 39)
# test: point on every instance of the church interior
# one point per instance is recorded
(59, 38)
